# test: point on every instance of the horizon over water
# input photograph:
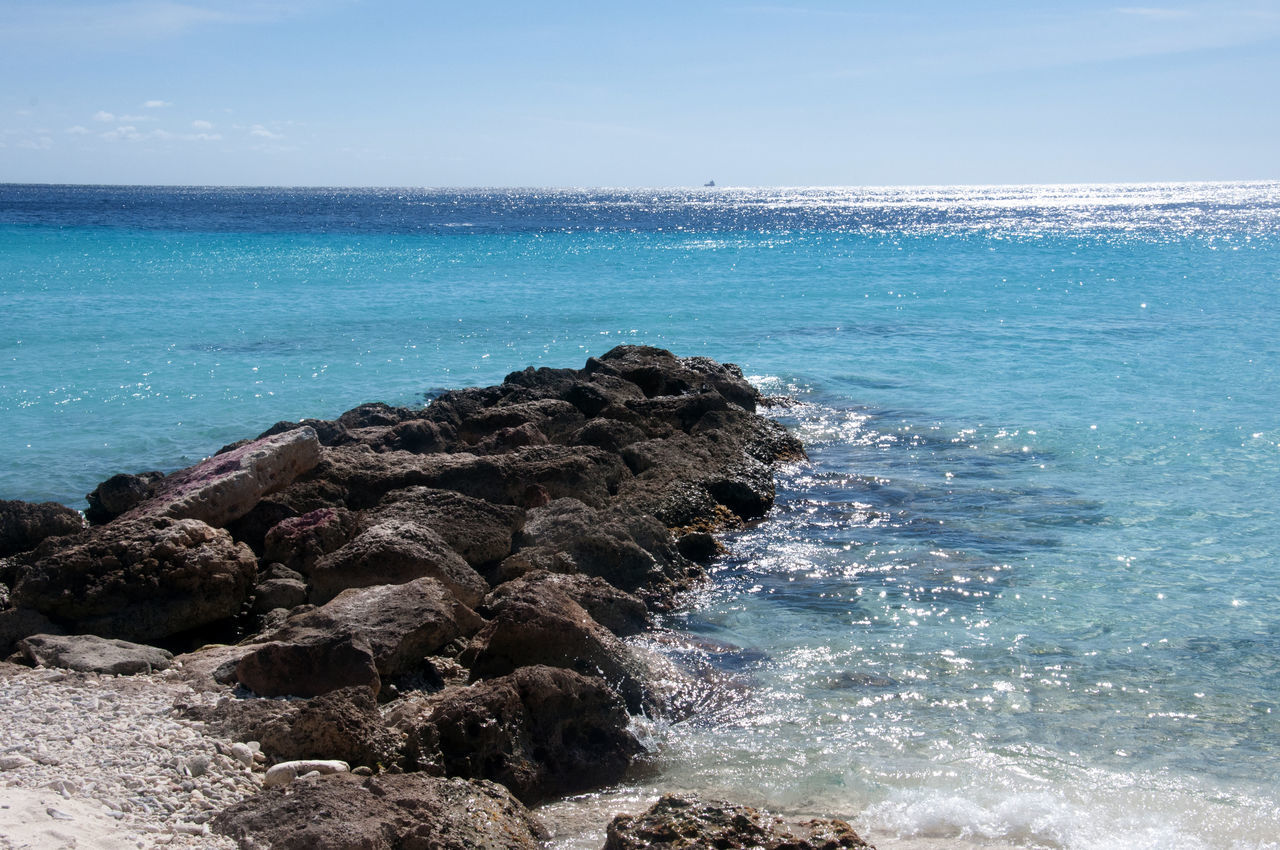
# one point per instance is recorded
(1024, 592)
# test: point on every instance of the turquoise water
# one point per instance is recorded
(1024, 592)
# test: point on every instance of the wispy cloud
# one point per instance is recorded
(263, 133)
(156, 104)
(104, 116)
(78, 130)
(201, 125)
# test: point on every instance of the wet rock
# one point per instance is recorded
(396, 812)
(92, 654)
(481, 532)
(227, 486)
(395, 552)
(402, 623)
(540, 731)
(140, 579)
(24, 525)
(678, 821)
(324, 663)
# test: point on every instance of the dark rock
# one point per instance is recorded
(699, 546)
(278, 593)
(481, 532)
(616, 610)
(395, 552)
(537, 623)
(299, 541)
(540, 731)
(118, 494)
(330, 433)
(608, 434)
(17, 623)
(92, 654)
(227, 486)
(676, 822)
(141, 579)
(402, 623)
(24, 525)
(327, 662)
(409, 811)
(596, 545)
(554, 418)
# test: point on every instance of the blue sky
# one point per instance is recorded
(341, 92)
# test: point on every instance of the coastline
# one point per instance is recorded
(473, 562)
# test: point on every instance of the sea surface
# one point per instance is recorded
(1024, 593)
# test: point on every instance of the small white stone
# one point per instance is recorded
(243, 754)
(288, 771)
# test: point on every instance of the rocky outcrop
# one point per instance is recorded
(679, 822)
(92, 654)
(140, 579)
(401, 812)
(540, 731)
(24, 525)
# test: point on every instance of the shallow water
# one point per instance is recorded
(1022, 594)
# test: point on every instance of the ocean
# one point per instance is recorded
(1024, 593)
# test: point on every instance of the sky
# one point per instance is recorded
(424, 93)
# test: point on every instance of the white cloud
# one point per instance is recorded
(156, 104)
(127, 133)
(202, 125)
(43, 143)
(103, 115)
(263, 133)
(78, 130)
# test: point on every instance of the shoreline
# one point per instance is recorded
(386, 585)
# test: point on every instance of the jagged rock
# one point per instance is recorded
(395, 552)
(409, 811)
(92, 654)
(140, 579)
(118, 494)
(24, 525)
(539, 624)
(616, 610)
(325, 662)
(402, 623)
(299, 541)
(677, 822)
(553, 418)
(227, 486)
(278, 593)
(596, 545)
(541, 731)
(608, 434)
(481, 532)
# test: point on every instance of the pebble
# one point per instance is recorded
(115, 741)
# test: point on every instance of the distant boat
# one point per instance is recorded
(710, 183)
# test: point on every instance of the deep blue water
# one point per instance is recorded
(1024, 592)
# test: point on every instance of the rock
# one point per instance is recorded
(287, 771)
(227, 486)
(15, 761)
(141, 579)
(298, 542)
(24, 525)
(608, 434)
(540, 731)
(118, 494)
(395, 552)
(17, 623)
(699, 546)
(538, 624)
(596, 546)
(389, 812)
(402, 623)
(325, 663)
(616, 610)
(278, 593)
(687, 822)
(92, 654)
(481, 532)
(553, 418)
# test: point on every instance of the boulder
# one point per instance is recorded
(409, 811)
(616, 610)
(538, 624)
(481, 532)
(92, 654)
(678, 821)
(402, 623)
(287, 771)
(597, 546)
(324, 663)
(395, 552)
(24, 525)
(17, 623)
(118, 494)
(276, 593)
(227, 486)
(540, 731)
(141, 579)
(299, 541)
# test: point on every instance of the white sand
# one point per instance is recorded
(89, 761)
